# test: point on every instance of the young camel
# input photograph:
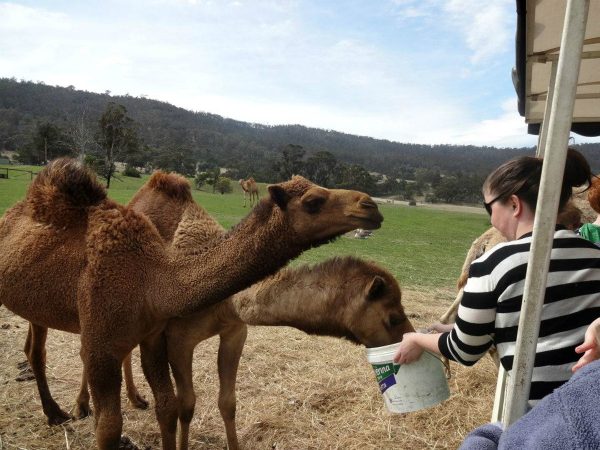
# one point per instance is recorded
(341, 297)
(250, 188)
(67, 233)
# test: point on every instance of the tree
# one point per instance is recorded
(48, 141)
(210, 177)
(82, 137)
(223, 185)
(290, 162)
(201, 179)
(355, 177)
(117, 138)
(320, 168)
(176, 160)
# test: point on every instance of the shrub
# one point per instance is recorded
(131, 171)
(223, 185)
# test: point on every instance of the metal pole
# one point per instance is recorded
(559, 127)
(544, 129)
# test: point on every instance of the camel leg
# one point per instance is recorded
(156, 369)
(230, 351)
(180, 359)
(133, 395)
(447, 317)
(35, 348)
(450, 314)
(103, 371)
(26, 374)
(82, 405)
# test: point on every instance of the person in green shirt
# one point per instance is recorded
(591, 231)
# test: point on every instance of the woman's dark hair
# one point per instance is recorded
(521, 176)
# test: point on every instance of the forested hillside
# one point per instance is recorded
(176, 139)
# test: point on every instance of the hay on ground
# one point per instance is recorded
(293, 391)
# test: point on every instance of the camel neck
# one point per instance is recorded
(290, 299)
(251, 251)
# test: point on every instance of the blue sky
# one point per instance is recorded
(424, 71)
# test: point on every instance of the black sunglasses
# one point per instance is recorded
(488, 205)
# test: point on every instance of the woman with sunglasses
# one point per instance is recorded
(490, 307)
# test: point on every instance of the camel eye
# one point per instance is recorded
(397, 320)
(313, 204)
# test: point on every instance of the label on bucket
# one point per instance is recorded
(385, 374)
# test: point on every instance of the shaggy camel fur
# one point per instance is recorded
(342, 297)
(67, 233)
(250, 189)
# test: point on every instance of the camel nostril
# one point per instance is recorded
(368, 203)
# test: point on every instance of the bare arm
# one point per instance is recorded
(413, 344)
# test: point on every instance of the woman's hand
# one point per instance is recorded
(409, 349)
(439, 327)
(589, 348)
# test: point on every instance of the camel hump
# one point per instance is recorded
(172, 185)
(62, 191)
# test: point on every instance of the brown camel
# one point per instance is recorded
(67, 233)
(342, 297)
(250, 189)
(310, 299)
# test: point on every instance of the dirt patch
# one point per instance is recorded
(293, 391)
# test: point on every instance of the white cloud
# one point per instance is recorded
(486, 27)
(275, 62)
(506, 130)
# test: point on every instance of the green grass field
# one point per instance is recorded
(422, 247)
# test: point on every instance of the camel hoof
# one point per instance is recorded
(139, 402)
(59, 418)
(23, 365)
(83, 411)
(127, 444)
(25, 375)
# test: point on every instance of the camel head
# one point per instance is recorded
(374, 313)
(321, 214)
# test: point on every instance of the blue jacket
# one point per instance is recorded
(569, 418)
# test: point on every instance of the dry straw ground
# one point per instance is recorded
(294, 392)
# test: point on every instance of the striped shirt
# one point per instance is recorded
(490, 308)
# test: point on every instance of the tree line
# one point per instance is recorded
(40, 121)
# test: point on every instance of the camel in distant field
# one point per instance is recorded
(76, 261)
(250, 188)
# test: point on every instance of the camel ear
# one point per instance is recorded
(376, 289)
(279, 196)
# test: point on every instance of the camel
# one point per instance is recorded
(309, 299)
(129, 282)
(341, 297)
(250, 189)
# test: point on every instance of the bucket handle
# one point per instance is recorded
(444, 362)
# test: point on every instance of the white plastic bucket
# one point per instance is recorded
(408, 387)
